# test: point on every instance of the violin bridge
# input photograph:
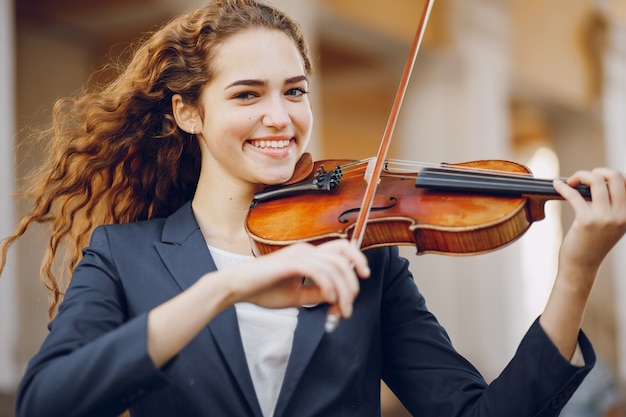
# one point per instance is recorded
(369, 170)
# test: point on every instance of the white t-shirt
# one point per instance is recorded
(267, 336)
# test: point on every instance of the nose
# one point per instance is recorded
(276, 114)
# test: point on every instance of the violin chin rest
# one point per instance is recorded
(303, 168)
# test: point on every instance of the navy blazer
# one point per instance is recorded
(94, 361)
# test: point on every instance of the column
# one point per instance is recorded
(614, 109)
(8, 319)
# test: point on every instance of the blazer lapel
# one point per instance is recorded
(186, 256)
(225, 332)
(308, 334)
(183, 248)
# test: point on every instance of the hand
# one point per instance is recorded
(598, 224)
(275, 280)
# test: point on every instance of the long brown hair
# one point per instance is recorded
(116, 154)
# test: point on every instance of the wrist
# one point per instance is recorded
(217, 292)
(575, 280)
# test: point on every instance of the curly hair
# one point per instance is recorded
(115, 153)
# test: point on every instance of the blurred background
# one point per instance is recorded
(538, 82)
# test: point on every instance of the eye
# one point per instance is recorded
(296, 92)
(246, 95)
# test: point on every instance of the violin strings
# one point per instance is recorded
(454, 176)
(358, 168)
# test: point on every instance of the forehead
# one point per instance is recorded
(257, 54)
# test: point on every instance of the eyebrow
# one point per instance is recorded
(252, 82)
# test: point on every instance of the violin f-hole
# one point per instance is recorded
(342, 218)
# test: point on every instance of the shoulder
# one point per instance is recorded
(149, 230)
(157, 229)
(111, 244)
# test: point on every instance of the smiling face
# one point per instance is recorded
(257, 118)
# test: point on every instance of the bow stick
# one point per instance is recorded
(373, 175)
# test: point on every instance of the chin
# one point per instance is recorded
(277, 175)
(277, 181)
(277, 178)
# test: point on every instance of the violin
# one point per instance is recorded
(460, 209)
(455, 209)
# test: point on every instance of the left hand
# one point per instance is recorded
(599, 224)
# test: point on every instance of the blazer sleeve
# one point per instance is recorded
(432, 379)
(94, 360)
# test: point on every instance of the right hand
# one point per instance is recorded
(275, 280)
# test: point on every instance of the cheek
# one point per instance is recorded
(305, 119)
(233, 125)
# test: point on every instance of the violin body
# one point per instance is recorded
(434, 220)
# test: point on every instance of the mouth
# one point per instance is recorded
(270, 143)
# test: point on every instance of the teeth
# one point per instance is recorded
(270, 143)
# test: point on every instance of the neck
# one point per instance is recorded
(221, 213)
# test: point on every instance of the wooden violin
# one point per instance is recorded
(459, 209)
(462, 208)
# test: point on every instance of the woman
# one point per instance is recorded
(168, 314)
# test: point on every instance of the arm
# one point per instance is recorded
(273, 281)
(97, 359)
(83, 366)
(430, 377)
(597, 227)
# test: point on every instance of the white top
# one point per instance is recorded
(267, 336)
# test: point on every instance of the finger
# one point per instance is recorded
(341, 258)
(336, 262)
(616, 183)
(608, 190)
(357, 259)
(359, 265)
(600, 193)
(344, 306)
(595, 180)
(340, 275)
(570, 195)
(332, 267)
(310, 294)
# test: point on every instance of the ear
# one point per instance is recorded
(186, 116)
